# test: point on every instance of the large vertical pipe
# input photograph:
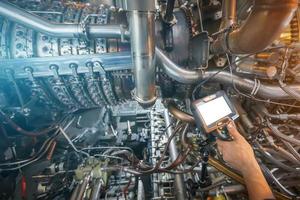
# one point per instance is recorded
(142, 31)
(179, 179)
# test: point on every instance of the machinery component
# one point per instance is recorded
(179, 179)
(142, 28)
(241, 40)
(58, 30)
(96, 96)
(217, 103)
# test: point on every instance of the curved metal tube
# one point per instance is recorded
(187, 76)
(265, 23)
(20, 16)
(237, 177)
(291, 149)
(279, 134)
(179, 114)
(274, 160)
(268, 173)
(174, 71)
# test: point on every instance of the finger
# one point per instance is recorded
(220, 144)
(232, 130)
(220, 148)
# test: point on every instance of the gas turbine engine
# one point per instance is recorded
(95, 96)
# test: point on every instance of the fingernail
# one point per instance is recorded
(230, 125)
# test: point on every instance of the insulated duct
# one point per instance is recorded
(266, 21)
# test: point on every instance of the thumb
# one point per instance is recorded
(232, 130)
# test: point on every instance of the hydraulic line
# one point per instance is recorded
(238, 178)
(179, 114)
(25, 132)
(279, 134)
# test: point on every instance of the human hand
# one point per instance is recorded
(237, 153)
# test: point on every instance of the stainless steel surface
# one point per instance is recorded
(96, 192)
(139, 5)
(32, 21)
(57, 74)
(179, 178)
(142, 30)
(194, 76)
(141, 190)
(174, 71)
(229, 9)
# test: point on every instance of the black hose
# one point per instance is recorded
(25, 132)
(169, 10)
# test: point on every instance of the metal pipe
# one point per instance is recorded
(260, 108)
(279, 134)
(75, 192)
(141, 190)
(32, 21)
(179, 114)
(269, 174)
(247, 124)
(274, 160)
(228, 189)
(174, 71)
(96, 192)
(265, 23)
(179, 179)
(229, 8)
(83, 187)
(187, 76)
(142, 29)
(238, 178)
(292, 149)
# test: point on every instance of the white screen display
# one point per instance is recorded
(214, 110)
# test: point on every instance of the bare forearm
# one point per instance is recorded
(257, 186)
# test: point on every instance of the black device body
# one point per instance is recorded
(213, 113)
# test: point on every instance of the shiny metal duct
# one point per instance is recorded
(267, 20)
(193, 76)
(142, 29)
(29, 20)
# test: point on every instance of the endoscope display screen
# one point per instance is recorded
(214, 110)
